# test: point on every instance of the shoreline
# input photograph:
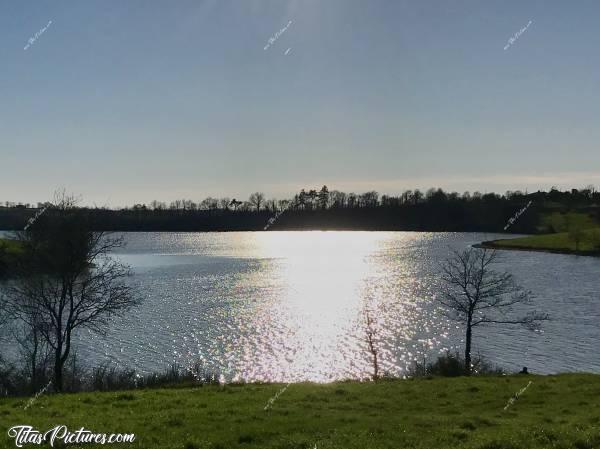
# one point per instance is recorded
(492, 245)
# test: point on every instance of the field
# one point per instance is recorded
(554, 411)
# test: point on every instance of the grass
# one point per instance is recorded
(561, 221)
(559, 241)
(11, 246)
(555, 411)
(9, 250)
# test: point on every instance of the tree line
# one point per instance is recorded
(433, 210)
(323, 198)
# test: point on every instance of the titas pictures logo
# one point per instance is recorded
(28, 435)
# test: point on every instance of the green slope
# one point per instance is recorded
(555, 411)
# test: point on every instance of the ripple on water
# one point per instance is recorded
(290, 306)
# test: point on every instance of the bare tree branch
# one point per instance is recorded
(67, 280)
(476, 295)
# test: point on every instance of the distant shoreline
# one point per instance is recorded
(435, 211)
(493, 244)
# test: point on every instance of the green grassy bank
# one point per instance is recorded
(11, 246)
(559, 243)
(553, 412)
(574, 233)
(9, 249)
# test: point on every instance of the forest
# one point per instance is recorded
(324, 209)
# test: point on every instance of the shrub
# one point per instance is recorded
(17, 382)
(453, 365)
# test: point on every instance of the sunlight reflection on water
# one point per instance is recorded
(289, 306)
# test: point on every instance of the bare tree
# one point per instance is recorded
(209, 203)
(257, 199)
(235, 203)
(371, 339)
(283, 204)
(157, 205)
(67, 281)
(224, 203)
(352, 200)
(27, 334)
(338, 198)
(4, 269)
(476, 295)
(34, 349)
(369, 199)
(272, 204)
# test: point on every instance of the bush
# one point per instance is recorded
(453, 365)
(18, 382)
(7, 379)
(109, 379)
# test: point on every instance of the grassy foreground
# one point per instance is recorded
(555, 411)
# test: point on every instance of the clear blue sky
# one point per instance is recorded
(126, 101)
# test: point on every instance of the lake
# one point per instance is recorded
(289, 306)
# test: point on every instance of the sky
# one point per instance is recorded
(127, 101)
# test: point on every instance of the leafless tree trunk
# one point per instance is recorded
(476, 295)
(68, 280)
(257, 199)
(34, 348)
(371, 339)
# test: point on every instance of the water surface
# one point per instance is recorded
(290, 306)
